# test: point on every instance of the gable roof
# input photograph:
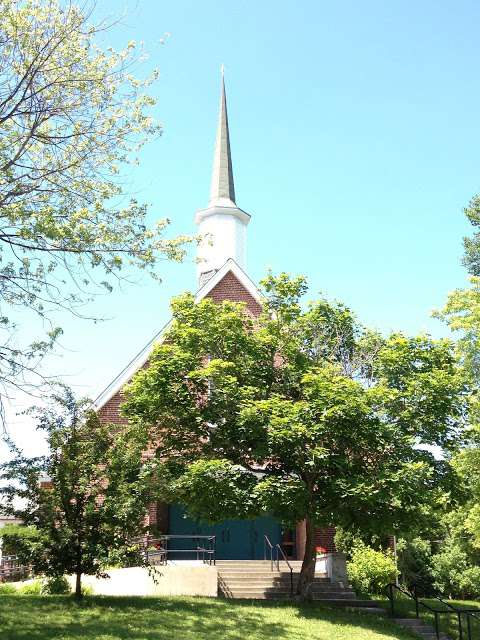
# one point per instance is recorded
(141, 358)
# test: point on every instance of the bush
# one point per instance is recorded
(56, 586)
(415, 564)
(7, 589)
(469, 583)
(19, 540)
(454, 575)
(371, 571)
(33, 588)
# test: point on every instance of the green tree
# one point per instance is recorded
(462, 314)
(369, 570)
(21, 541)
(85, 498)
(301, 413)
(471, 258)
(71, 114)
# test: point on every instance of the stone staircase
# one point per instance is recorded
(422, 629)
(254, 579)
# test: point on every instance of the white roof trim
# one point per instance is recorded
(132, 367)
(139, 360)
(238, 272)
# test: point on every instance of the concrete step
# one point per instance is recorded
(333, 595)
(257, 596)
(421, 628)
(278, 578)
(379, 611)
(240, 584)
(241, 575)
(256, 580)
(240, 569)
(327, 595)
(257, 562)
(345, 602)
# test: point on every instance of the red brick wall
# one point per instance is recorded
(110, 412)
(230, 288)
(325, 538)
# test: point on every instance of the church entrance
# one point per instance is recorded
(235, 539)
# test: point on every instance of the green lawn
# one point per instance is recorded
(448, 623)
(103, 618)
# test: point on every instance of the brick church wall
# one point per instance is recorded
(229, 288)
(110, 412)
(325, 538)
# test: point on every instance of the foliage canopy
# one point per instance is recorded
(85, 499)
(71, 114)
(301, 413)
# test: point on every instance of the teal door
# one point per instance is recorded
(235, 539)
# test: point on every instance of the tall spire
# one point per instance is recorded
(222, 225)
(222, 191)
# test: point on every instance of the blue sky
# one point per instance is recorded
(355, 132)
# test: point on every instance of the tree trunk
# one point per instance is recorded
(307, 573)
(78, 584)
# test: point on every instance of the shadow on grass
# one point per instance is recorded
(109, 618)
(448, 621)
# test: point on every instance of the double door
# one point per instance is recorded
(235, 539)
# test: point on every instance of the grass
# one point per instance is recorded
(109, 618)
(448, 623)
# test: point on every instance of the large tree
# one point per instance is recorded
(461, 313)
(71, 114)
(301, 413)
(471, 258)
(85, 499)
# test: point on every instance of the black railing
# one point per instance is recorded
(11, 569)
(158, 550)
(461, 615)
(275, 551)
(268, 550)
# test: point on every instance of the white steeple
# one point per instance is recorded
(222, 224)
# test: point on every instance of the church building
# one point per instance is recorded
(221, 276)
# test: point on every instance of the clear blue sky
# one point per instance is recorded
(355, 136)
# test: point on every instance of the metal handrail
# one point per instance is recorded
(266, 542)
(204, 551)
(474, 613)
(162, 550)
(279, 549)
(275, 551)
(10, 566)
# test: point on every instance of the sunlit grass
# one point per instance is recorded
(448, 621)
(104, 618)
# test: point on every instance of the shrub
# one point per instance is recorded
(7, 589)
(19, 540)
(33, 588)
(453, 573)
(58, 585)
(469, 583)
(371, 571)
(415, 564)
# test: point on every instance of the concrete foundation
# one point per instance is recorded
(175, 579)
